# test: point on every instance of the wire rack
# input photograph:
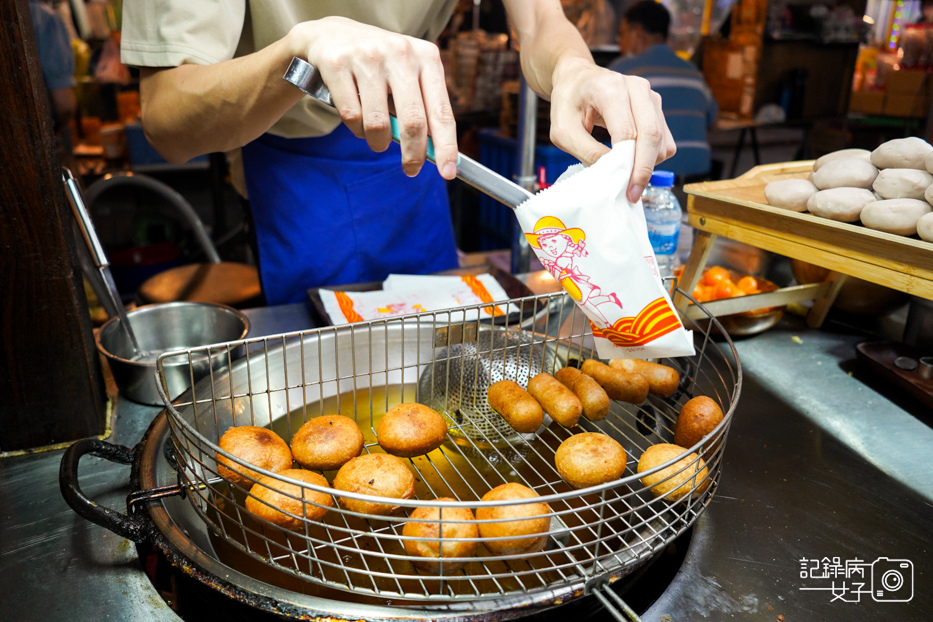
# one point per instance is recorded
(445, 359)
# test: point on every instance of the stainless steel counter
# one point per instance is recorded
(820, 463)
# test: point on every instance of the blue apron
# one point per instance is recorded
(330, 211)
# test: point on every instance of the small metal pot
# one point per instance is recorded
(166, 327)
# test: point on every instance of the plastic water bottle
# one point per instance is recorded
(663, 215)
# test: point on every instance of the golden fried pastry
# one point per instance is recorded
(556, 399)
(662, 379)
(375, 474)
(527, 535)
(516, 405)
(423, 524)
(259, 447)
(286, 504)
(592, 396)
(697, 418)
(410, 430)
(619, 384)
(327, 442)
(678, 479)
(589, 459)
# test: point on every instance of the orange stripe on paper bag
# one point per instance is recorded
(346, 307)
(654, 321)
(477, 287)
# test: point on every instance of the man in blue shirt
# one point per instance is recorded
(57, 61)
(687, 103)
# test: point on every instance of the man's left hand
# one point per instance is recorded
(585, 95)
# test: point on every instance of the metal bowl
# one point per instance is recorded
(165, 327)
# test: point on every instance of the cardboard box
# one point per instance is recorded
(726, 70)
(867, 102)
(904, 105)
(909, 81)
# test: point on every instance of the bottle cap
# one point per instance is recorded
(663, 179)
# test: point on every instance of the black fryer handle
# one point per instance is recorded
(134, 527)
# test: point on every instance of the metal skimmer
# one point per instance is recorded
(461, 375)
(445, 359)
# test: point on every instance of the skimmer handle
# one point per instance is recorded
(84, 219)
(96, 250)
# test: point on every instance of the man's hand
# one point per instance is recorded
(584, 95)
(558, 65)
(363, 66)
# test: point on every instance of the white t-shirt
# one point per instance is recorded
(169, 33)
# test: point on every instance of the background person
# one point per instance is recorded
(57, 60)
(328, 208)
(688, 105)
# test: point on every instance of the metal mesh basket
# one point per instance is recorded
(444, 360)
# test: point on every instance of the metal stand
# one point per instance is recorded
(527, 129)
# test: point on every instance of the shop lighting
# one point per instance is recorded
(896, 24)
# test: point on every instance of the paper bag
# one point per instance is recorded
(595, 243)
(403, 294)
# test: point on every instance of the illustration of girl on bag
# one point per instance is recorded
(565, 245)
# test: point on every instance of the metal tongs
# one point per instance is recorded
(306, 77)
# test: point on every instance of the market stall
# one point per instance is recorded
(588, 440)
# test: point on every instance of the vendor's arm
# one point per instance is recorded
(558, 65)
(194, 109)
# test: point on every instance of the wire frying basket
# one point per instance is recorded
(446, 360)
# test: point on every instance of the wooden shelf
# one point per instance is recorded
(737, 209)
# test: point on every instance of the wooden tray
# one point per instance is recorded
(737, 209)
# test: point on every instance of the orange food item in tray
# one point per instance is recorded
(702, 293)
(717, 283)
(748, 284)
(714, 275)
(726, 289)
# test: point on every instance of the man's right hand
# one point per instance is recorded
(363, 66)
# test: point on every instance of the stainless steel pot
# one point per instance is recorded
(161, 328)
